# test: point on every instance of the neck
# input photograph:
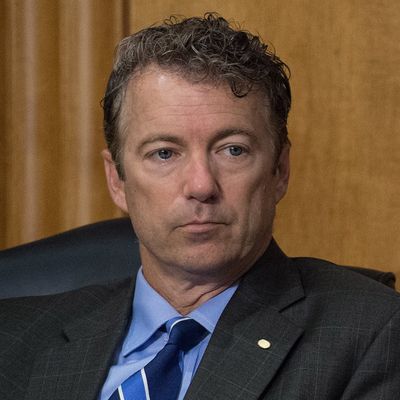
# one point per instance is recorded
(187, 285)
(184, 295)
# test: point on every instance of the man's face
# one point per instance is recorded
(200, 184)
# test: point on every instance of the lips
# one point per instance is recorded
(200, 226)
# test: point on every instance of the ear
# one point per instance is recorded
(116, 185)
(282, 173)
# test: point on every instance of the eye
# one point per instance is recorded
(235, 151)
(164, 154)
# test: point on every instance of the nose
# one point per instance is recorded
(200, 181)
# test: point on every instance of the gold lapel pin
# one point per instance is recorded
(264, 344)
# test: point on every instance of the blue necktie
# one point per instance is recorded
(161, 378)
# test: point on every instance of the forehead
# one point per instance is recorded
(161, 99)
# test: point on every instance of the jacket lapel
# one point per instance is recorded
(76, 366)
(253, 337)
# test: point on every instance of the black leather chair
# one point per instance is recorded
(92, 254)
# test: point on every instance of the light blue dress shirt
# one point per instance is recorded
(143, 340)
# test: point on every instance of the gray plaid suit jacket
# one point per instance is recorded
(334, 334)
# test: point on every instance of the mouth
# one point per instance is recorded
(200, 227)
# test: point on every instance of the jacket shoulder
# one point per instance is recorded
(346, 288)
(34, 320)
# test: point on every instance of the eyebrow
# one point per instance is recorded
(161, 138)
(232, 132)
(180, 142)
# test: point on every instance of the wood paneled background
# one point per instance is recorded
(344, 198)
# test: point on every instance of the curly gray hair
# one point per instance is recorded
(205, 49)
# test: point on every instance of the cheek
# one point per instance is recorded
(260, 189)
(261, 202)
(148, 200)
(258, 205)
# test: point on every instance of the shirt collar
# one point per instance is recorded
(209, 312)
(151, 311)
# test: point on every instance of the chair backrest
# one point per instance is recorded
(92, 254)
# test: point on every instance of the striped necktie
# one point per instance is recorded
(161, 378)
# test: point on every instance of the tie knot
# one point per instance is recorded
(186, 333)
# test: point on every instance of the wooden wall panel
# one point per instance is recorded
(4, 115)
(344, 202)
(57, 57)
(32, 96)
(89, 31)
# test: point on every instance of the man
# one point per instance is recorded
(198, 155)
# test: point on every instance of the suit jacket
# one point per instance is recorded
(333, 334)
